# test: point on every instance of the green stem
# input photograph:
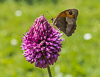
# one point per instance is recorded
(49, 71)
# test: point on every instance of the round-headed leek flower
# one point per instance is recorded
(42, 43)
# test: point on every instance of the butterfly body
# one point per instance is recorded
(66, 21)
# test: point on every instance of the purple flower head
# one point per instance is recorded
(42, 43)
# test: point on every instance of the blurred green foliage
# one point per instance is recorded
(78, 58)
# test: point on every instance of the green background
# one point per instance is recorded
(78, 58)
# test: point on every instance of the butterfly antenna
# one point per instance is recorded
(49, 14)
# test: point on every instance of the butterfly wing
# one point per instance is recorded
(66, 22)
(70, 26)
(59, 22)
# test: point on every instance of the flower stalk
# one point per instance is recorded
(48, 67)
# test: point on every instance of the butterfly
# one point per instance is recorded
(66, 21)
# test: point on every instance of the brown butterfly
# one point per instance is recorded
(66, 21)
